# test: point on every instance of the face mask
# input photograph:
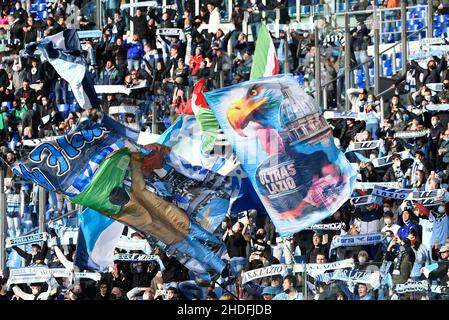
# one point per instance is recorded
(370, 100)
(428, 98)
(372, 156)
(235, 229)
(434, 123)
(394, 102)
(362, 259)
(145, 297)
(387, 221)
(365, 137)
(405, 117)
(34, 291)
(389, 239)
(440, 209)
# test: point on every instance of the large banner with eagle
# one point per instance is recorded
(286, 147)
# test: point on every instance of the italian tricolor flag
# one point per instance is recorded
(265, 62)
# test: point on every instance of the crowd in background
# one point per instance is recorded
(37, 103)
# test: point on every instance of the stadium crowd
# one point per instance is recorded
(37, 103)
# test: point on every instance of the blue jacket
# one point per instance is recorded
(135, 50)
(405, 229)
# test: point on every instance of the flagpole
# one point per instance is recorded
(2, 219)
(42, 206)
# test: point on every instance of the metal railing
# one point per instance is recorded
(370, 60)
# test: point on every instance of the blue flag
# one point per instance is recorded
(286, 147)
(97, 239)
(63, 51)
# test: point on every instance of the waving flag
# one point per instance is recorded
(116, 178)
(265, 62)
(286, 147)
(97, 239)
(63, 51)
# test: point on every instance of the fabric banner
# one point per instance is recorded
(52, 164)
(63, 51)
(358, 276)
(286, 147)
(185, 138)
(124, 109)
(139, 4)
(100, 89)
(363, 200)
(96, 241)
(410, 134)
(32, 238)
(265, 62)
(319, 268)
(372, 185)
(344, 115)
(425, 54)
(89, 34)
(385, 161)
(35, 142)
(88, 275)
(133, 244)
(350, 240)
(437, 107)
(366, 145)
(36, 274)
(435, 86)
(412, 286)
(395, 193)
(273, 270)
(430, 41)
(428, 198)
(112, 176)
(173, 32)
(139, 257)
(327, 226)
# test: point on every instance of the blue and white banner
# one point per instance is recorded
(133, 244)
(286, 147)
(394, 193)
(410, 134)
(387, 160)
(32, 238)
(358, 276)
(345, 115)
(365, 145)
(437, 107)
(100, 89)
(97, 240)
(363, 200)
(326, 226)
(139, 257)
(412, 286)
(36, 274)
(372, 185)
(89, 34)
(350, 240)
(435, 86)
(63, 51)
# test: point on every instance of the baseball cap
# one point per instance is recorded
(269, 290)
(444, 248)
